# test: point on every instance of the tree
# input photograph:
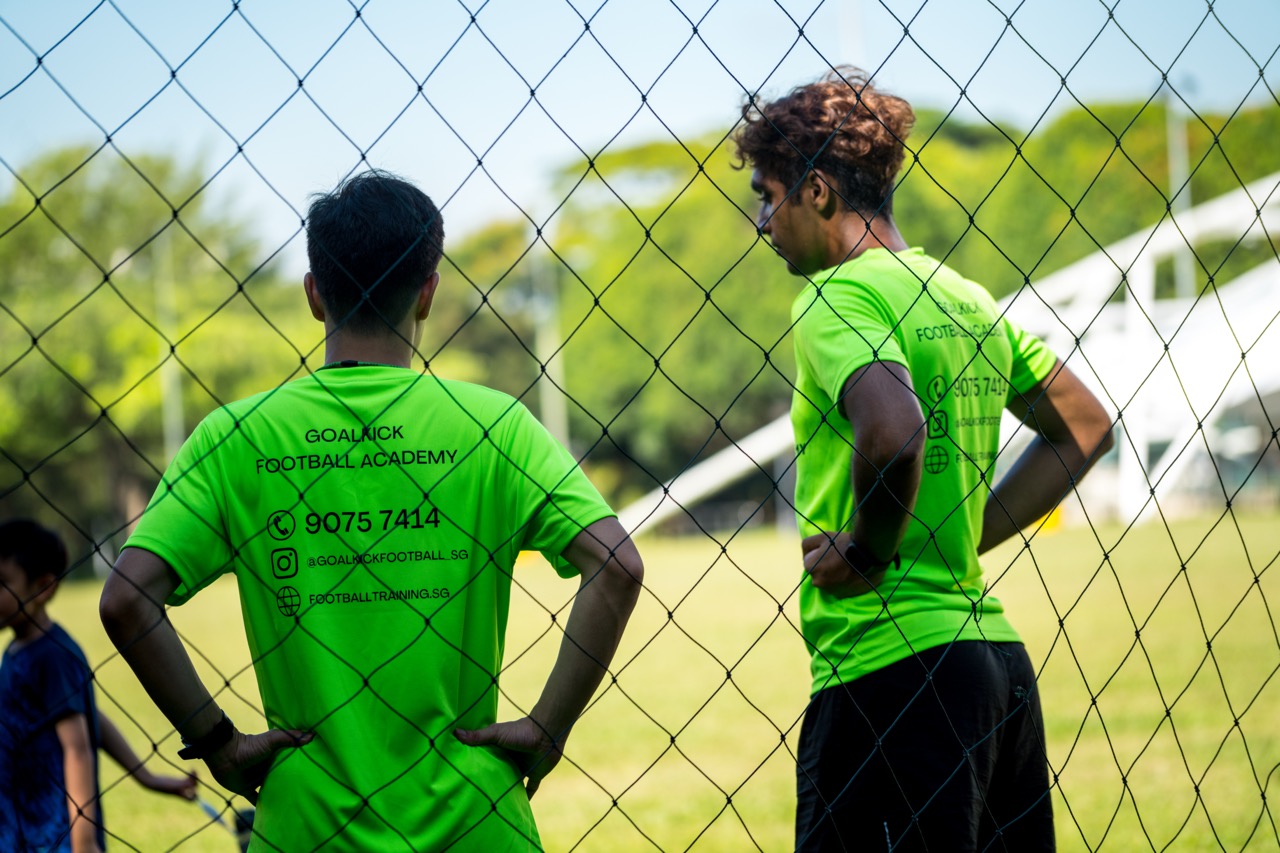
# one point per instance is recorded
(674, 313)
(115, 272)
(676, 310)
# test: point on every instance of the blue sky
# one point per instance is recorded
(219, 82)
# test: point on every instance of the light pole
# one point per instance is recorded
(543, 307)
(1179, 186)
(170, 382)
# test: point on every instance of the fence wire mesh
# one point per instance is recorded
(1108, 170)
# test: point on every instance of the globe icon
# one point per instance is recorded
(935, 460)
(287, 599)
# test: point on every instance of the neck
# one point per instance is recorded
(856, 235)
(36, 624)
(392, 350)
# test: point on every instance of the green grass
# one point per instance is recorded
(692, 747)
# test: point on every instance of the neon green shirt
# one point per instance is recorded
(372, 516)
(966, 361)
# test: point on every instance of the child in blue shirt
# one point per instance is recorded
(50, 727)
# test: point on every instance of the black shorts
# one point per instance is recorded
(943, 751)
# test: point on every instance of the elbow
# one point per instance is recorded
(636, 574)
(912, 453)
(112, 610)
(1101, 436)
(630, 570)
(1106, 433)
(901, 452)
(1106, 441)
(624, 573)
(121, 608)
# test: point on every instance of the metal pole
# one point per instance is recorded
(1184, 274)
(545, 300)
(170, 381)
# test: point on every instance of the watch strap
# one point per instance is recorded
(211, 741)
(856, 556)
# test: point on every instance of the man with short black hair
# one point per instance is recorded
(372, 515)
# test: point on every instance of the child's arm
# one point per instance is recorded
(115, 745)
(79, 770)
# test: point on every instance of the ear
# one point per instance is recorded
(45, 585)
(426, 294)
(314, 302)
(820, 190)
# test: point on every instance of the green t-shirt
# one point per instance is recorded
(372, 516)
(966, 361)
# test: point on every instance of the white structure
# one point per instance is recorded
(1170, 368)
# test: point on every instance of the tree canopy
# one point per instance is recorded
(121, 283)
(675, 313)
(663, 313)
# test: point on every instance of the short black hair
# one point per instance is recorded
(34, 547)
(371, 243)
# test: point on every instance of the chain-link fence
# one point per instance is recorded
(1108, 170)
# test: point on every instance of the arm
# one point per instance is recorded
(79, 772)
(612, 573)
(115, 745)
(1073, 431)
(132, 610)
(888, 428)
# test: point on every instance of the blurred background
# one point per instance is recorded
(1109, 170)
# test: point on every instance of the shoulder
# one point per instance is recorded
(286, 394)
(228, 416)
(475, 395)
(285, 400)
(52, 658)
(61, 645)
(807, 296)
(936, 273)
(487, 405)
(877, 273)
(850, 294)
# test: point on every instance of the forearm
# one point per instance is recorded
(114, 744)
(884, 498)
(1044, 474)
(79, 776)
(600, 612)
(1073, 431)
(82, 808)
(165, 671)
(136, 622)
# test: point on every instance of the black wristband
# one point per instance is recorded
(210, 742)
(864, 563)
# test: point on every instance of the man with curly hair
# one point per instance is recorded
(924, 728)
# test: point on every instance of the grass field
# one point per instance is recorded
(1160, 688)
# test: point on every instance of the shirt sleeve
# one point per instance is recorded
(551, 491)
(184, 523)
(1032, 358)
(845, 326)
(60, 681)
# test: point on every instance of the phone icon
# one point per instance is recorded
(281, 525)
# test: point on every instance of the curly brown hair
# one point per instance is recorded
(841, 125)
